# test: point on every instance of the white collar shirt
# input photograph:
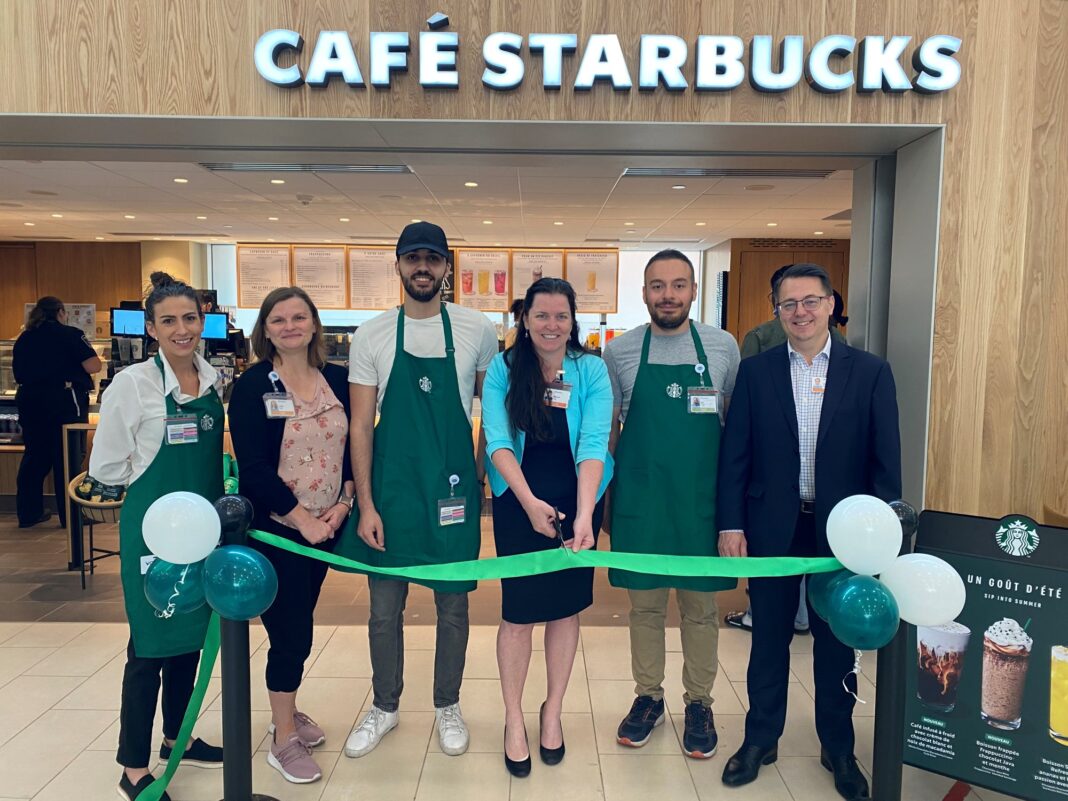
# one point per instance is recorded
(809, 382)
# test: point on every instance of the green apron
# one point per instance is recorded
(422, 438)
(192, 467)
(664, 489)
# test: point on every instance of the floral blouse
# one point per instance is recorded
(313, 450)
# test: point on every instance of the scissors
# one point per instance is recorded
(556, 526)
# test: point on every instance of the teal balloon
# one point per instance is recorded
(239, 582)
(176, 589)
(821, 587)
(863, 614)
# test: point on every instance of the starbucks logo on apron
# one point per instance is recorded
(674, 391)
(207, 423)
(425, 384)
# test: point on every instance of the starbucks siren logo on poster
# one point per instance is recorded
(1017, 538)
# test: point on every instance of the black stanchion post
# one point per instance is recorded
(237, 705)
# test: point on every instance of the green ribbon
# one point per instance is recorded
(524, 564)
(207, 662)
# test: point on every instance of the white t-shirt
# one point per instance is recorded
(375, 342)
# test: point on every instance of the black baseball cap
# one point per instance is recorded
(417, 236)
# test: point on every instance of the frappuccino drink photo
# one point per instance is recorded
(1006, 654)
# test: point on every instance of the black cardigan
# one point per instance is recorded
(257, 439)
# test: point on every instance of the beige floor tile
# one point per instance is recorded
(320, 637)
(102, 690)
(640, 776)
(209, 728)
(15, 661)
(86, 653)
(191, 784)
(345, 655)
(707, 773)
(920, 784)
(807, 779)
(332, 703)
(864, 730)
(389, 773)
(9, 630)
(447, 778)
(92, 774)
(734, 653)
(801, 670)
(481, 660)
(45, 747)
(46, 635)
(799, 736)
(611, 700)
(26, 698)
(577, 696)
(577, 778)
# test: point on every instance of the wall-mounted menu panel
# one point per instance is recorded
(260, 268)
(320, 271)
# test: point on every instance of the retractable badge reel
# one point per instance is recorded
(452, 510)
(702, 399)
(278, 404)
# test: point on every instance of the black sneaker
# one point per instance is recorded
(130, 791)
(199, 754)
(645, 714)
(699, 740)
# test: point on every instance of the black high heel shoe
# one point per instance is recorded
(550, 756)
(520, 768)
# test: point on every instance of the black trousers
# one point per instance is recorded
(290, 618)
(774, 603)
(140, 692)
(42, 413)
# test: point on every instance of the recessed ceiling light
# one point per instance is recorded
(558, 222)
(181, 180)
(632, 232)
(554, 245)
(470, 184)
(277, 180)
(129, 216)
(328, 240)
(758, 187)
(270, 240)
(496, 244)
(415, 220)
(201, 217)
(773, 225)
(100, 237)
(679, 186)
(487, 222)
(228, 226)
(156, 238)
(628, 223)
(58, 216)
(818, 233)
(700, 223)
(342, 219)
(272, 219)
(29, 224)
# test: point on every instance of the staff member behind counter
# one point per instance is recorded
(144, 440)
(52, 363)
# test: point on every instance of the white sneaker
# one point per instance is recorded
(452, 732)
(365, 737)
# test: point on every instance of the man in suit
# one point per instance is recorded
(810, 423)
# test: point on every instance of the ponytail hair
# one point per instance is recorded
(163, 287)
(46, 310)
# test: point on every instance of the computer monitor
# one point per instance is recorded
(215, 326)
(127, 322)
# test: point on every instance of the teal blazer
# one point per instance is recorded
(589, 416)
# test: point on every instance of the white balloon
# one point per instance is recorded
(929, 591)
(864, 534)
(181, 527)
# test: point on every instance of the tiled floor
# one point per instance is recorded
(61, 666)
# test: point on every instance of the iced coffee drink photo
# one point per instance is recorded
(939, 661)
(1006, 653)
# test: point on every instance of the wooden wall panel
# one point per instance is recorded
(998, 432)
(90, 272)
(18, 276)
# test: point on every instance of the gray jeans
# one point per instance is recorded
(386, 635)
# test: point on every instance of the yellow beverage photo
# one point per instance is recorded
(483, 282)
(591, 281)
(1058, 694)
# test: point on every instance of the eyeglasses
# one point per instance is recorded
(810, 304)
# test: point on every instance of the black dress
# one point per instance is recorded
(549, 468)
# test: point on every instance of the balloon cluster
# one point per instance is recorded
(865, 535)
(183, 530)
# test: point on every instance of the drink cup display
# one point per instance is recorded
(939, 660)
(483, 282)
(467, 281)
(1006, 654)
(1058, 693)
(591, 281)
(500, 282)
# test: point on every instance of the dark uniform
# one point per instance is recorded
(53, 390)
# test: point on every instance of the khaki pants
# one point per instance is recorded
(700, 641)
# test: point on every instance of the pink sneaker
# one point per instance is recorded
(310, 732)
(294, 761)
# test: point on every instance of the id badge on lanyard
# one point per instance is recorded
(702, 399)
(452, 510)
(279, 405)
(819, 384)
(557, 393)
(182, 429)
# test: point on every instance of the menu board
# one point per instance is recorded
(79, 315)
(320, 271)
(595, 276)
(986, 697)
(373, 281)
(529, 266)
(260, 269)
(483, 279)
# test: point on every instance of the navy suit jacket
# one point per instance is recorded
(858, 447)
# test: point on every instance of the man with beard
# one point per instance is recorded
(418, 484)
(672, 379)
